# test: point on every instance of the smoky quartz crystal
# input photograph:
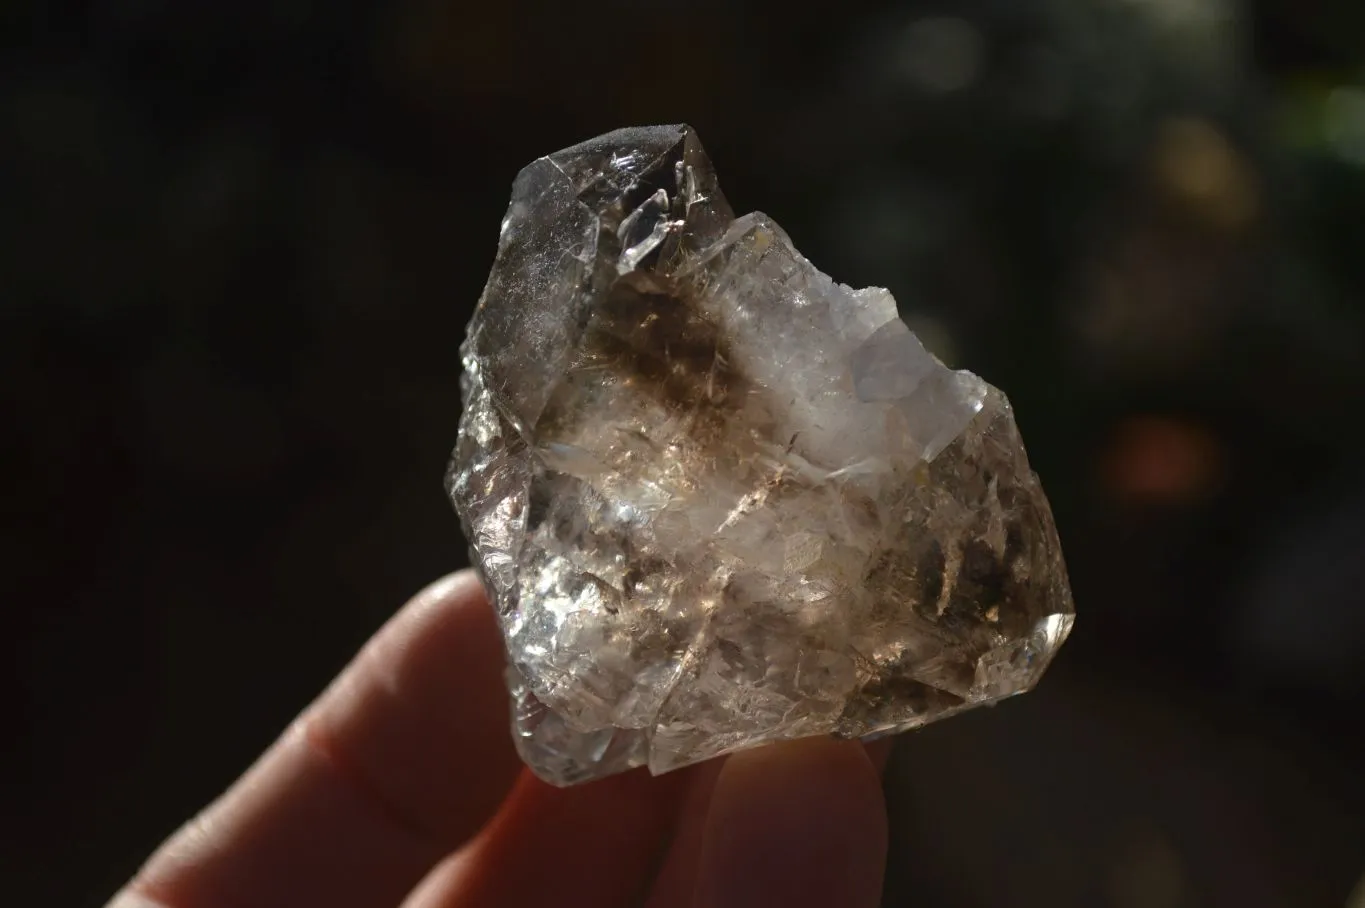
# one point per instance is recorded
(717, 498)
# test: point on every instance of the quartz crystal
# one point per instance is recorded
(719, 499)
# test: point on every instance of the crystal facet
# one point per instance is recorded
(719, 499)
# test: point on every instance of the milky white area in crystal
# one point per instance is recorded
(719, 499)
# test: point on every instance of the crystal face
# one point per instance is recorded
(719, 499)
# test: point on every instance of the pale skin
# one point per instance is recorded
(399, 786)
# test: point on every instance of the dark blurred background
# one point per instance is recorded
(239, 243)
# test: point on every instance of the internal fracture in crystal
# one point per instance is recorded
(719, 499)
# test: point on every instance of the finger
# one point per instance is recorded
(677, 880)
(879, 752)
(404, 758)
(676, 884)
(795, 824)
(596, 845)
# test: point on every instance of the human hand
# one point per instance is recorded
(400, 786)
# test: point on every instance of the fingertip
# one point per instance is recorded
(799, 823)
(130, 899)
(456, 589)
(421, 716)
(402, 760)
